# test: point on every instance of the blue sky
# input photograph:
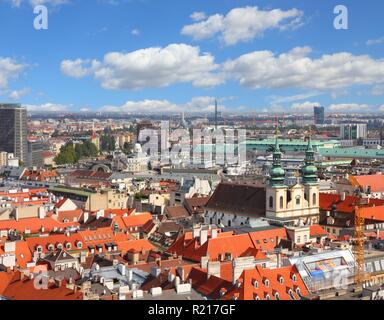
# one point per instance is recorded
(172, 55)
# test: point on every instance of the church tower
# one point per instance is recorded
(310, 182)
(276, 191)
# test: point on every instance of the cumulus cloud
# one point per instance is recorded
(198, 16)
(349, 107)
(241, 24)
(304, 106)
(54, 3)
(18, 94)
(196, 104)
(295, 69)
(151, 67)
(77, 68)
(47, 108)
(9, 70)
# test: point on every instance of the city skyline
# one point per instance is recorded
(144, 56)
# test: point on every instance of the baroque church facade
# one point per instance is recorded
(236, 205)
(297, 205)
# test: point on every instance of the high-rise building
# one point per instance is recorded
(13, 130)
(318, 115)
(353, 131)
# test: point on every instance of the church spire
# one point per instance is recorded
(309, 169)
(277, 173)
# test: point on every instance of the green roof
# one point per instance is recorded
(283, 142)
(352, 153)
(70, 190)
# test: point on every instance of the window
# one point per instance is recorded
(271, 202)
(297, 200)
(281, 202)
(281, 279)
(298, 239)
(277, 296)
(79, 245)
(314, 199)
(229, 223)
(255, 284)
(305, 238)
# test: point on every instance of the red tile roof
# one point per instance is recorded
(375, 181)
(25, 290)
(317, 231)
(346, 206)
(35, 225)
(263, 283)
(267, 240)
(236, 245)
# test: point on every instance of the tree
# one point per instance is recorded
(107, 142)
(67, 155)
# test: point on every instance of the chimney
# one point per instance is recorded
(181, 273)
(204, 262)
(203, 236)
(85, 216)
(213, 269)
(41, 212)
(195, 232)
(17, 214)
(342, 198)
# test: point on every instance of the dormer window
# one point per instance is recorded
(277, 296)
(294, 278)
(267, 297)
(257, 297)
(255, 284)
(51, 247)
(59, 246)
(290, 292)
(39, 249)
(281, 279)
(266, 282)
(79, 245)
(68, 246)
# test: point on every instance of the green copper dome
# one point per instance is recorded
(309, 170)
(277, 173)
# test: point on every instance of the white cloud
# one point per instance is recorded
(304, 106)
(196, 104)
(295, 69)
(198, 16)
(76, 68)
(375, 41)
(349, 107)
(297, 97)
(17, 94)
(54, 3)
(377, 90)
(9, 70)
(242, 24)
(135, 32)
(47, 108)
(151, 67)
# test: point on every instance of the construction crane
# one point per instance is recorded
(358, 247)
